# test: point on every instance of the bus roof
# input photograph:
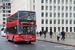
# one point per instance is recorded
(12, 14)
(20, 11)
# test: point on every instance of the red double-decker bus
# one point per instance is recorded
(21, 26)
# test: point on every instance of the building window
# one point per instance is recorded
(74, 8)
(3, 7)
(66, 1)
(54, 29)
(66, 14)
(54, 14)
(58, 14)
(9, 11)
(54, 21)
(42, 7)
(42, 1)
(66, 29)
(46, 14)
(74, 14)
(4, 4)
(51, 21)
(50, 1)
(70, 29)
(74, 1)
(54, 7)
(74, 29)
(66, 21)
(6, 0)
(58, 1)
(70, 1)
(54, 1)
(70, 14)
(46, 29)
(62, 14)
(3, 15)
(70, 21)
(66, 8)
(3, 11)
(42, 29)
(50, 14)
(58, 7)
(3, 18)
(74, 21)
(33, 7)
(42, 21)
(46, 7)
(62, 1)
(58, 21)
(8, 14)
(62, 8)
(3, 25)
(9, 4)
(50, 7)
(62, 28)
(42, 14)
(33, 1)
(46, 21)
(62, 21)
(8, 7)
(3, 22)
(59, 28)
(46, 1)
(70, 8)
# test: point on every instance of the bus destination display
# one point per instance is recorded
(27, 23)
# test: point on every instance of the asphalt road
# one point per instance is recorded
(38, 45)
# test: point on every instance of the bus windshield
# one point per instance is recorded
(24, 15)
(26, 30)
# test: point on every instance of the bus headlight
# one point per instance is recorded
(19, 33)
(16, 36)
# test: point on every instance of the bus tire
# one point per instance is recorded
(29, 42)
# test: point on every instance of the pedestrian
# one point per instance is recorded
(58, 35)
(51, 33)
(40, 33)
(44, 33)
(37, 33)
(63, 35)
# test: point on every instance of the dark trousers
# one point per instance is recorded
(63, 37)
(44, 35)
(58, 38)
(50, 36)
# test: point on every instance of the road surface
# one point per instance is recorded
(38, 45)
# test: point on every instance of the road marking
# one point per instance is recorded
(16, 46)
(65, 47)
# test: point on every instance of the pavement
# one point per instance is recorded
(67, 41)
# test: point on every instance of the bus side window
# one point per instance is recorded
(14, 30)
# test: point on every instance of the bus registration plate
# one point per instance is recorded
(26, 40)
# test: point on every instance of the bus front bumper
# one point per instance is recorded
(24, 40)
